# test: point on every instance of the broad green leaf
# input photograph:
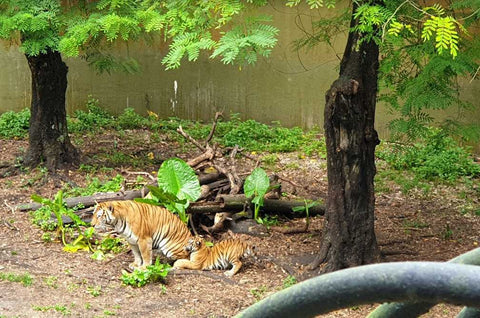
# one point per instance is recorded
(257, 183)
(178, 178)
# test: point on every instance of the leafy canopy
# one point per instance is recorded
(90, 29)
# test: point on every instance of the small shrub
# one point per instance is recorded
(94, 119)
(15, 124)
(129, 119)
(153, 273)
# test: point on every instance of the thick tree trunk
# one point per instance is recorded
(349, 237)
(48, 134)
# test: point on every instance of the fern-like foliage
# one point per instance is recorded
(446, 34)
(245, 41)
(417, 74)
(188, 26)
(370, 18)
(35, 23)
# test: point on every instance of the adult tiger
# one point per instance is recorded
(221, 256)
(145, 227)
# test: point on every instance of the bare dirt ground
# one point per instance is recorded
(416, 227)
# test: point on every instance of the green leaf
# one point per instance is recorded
(98, 255)
(161, 195)
(257, 183)
(178, 178)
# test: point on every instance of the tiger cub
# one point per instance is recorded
(223, 255)
(145, 227)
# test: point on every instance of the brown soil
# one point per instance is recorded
(417, 226)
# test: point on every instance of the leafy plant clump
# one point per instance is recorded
(437, 156)
(153, 273)
(15, 124)
(91, 120)
(256, 136)
(57, 207)
(129, 119)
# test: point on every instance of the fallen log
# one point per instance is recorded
(224, 203)
(272, 206)
(87, 201)
(90, 200)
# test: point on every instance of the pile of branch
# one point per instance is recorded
(220, 183)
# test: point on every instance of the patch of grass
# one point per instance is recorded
(51, 281)
(314, 144)
(14, 125)
(58, 308)
(95, 291)
(435, 157)
(107, 312)
(25, 279)
(289, 281)
(269, 220)
(405, 179)
(259, 292)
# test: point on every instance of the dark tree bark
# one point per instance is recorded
(48, 135)
(349, 237)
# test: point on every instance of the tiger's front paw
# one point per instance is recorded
(133, 266)
(229, 273)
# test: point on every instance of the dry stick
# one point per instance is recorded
(209, 154)
(214, 125)
(12, 208)
(189, 138)
(141, 173)
(204, 273)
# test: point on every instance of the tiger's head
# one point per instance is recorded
(103, 216)
(195, 244)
